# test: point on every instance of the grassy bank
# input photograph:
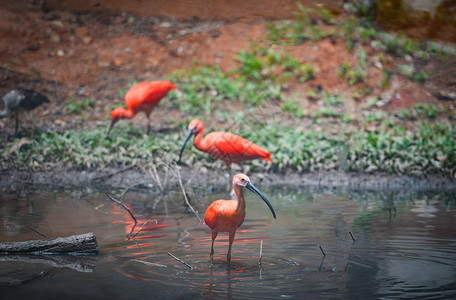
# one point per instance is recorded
(254, 101)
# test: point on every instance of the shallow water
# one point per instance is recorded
(404, 245)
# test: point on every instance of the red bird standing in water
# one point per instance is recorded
(143, 96)
(226, 146)
(228, 215)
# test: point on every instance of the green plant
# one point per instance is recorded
(78, 106)
(331, 99)
(420, 76)
(406, 70)
(292, 107)
(367, 34)
(385, 79)
(349, 28)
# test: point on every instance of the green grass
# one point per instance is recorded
(302, 28)
(420, 111)
(263, 71)
(77, 106)
(263, 64)
(429, 149)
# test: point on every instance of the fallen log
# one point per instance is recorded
(83, 244)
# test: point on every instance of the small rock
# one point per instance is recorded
(60, 53)
(215, 33)
(87, 39)
(165, 25)
(55, 38)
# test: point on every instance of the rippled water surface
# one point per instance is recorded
(405, 246)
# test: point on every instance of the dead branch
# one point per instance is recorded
(140, 228)
(121, 197)
(75, 245)
(180, 260)
(322, 250)
(113, 173)
(261, 252)
(37, 232)
(153, 174)
(352, 236)
(149, 263)
(179, 178)
(124, 206)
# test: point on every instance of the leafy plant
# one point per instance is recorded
(79, 106)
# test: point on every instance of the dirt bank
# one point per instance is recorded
(122, 178)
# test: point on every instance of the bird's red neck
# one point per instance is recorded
(122, 113)
(240, 198)
(198, 141)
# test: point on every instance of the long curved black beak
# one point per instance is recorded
(189, 135)
(252, 188)
(113, 122)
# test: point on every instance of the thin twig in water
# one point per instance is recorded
(179, 178)
(142, 226)
(153, 174)
(352, 236)
(121, 197)
(322, 250)
(100, 206)
(261, 252)
(113, 173)
(321, 264)
(124, 206)
(180, 260)
(37, 232)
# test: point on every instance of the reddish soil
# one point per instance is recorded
(66, 51)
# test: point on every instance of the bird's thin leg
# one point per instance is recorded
(148, 123)
(214, 235)
(231, 239)
(17, 123)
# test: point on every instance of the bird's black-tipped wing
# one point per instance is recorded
(27, 99)
(31, 99)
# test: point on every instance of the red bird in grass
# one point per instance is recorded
(143, 96)
(228, 215)
(226, 146)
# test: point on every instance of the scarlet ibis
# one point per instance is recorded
(226, 146)
(143, 96)
(22, 99)
(228, 215)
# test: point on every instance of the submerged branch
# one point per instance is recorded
(123, 205)
(37, 232)
(130, 187)
(179, 178)
(261, 253)
(180, 260)
(352, 236)
(322, 250)
(142, 226)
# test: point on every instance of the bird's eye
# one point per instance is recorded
(242, 179)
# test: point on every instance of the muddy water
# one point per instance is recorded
(404, 246)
